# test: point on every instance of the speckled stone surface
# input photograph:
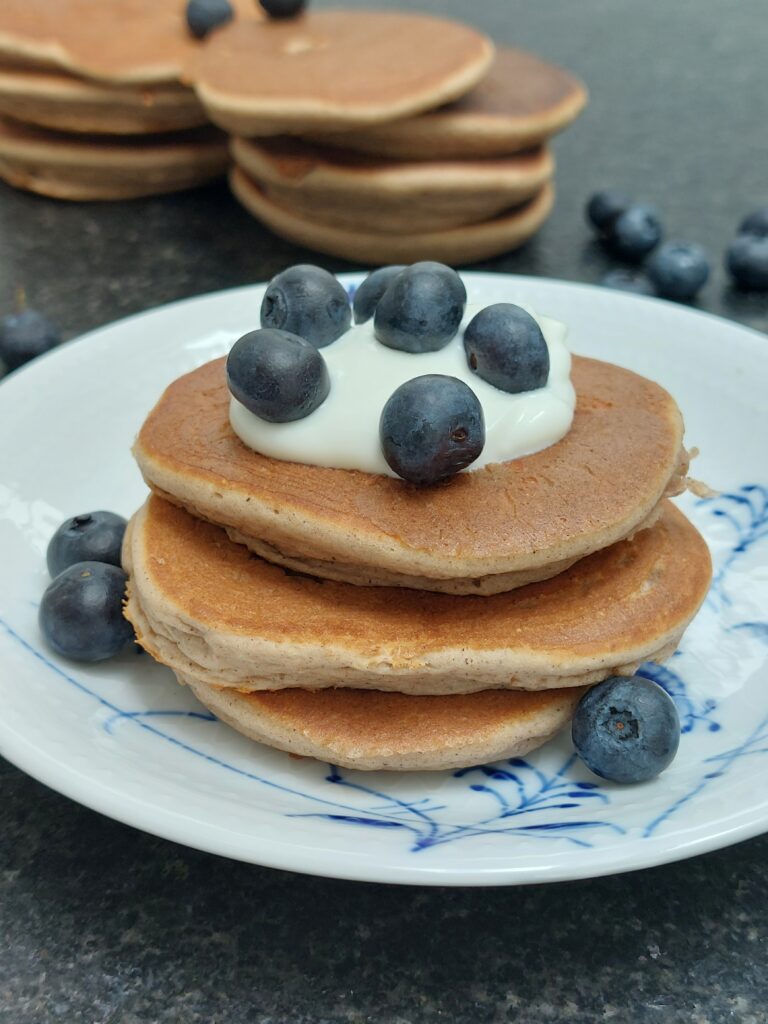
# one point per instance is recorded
(101, 924)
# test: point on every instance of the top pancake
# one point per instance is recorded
(334, 70)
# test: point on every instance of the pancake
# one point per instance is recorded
(603, 480)
(93, 167)
(334, 70)
(348, 190)
(207, 608)
(521, 102)
(458, 246)
(391, 731)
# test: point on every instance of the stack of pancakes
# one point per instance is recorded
(377, 625)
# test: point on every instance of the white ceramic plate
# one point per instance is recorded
(124, 738)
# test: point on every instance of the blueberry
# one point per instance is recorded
(91, 537)
(81, 614)
(307, 301)
(747, 261)
(26, 335)
(635, 232)
(205, 15)
(505, 346)
(604, 207)
(679, 270)
(627, 281)
(755, 223)
(421, 309)
(283, 8)
(370, 291)
(277, 375)
(431, 427)
(626, 729)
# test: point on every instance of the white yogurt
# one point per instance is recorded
(344, 432)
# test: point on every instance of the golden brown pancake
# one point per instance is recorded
(207, 608)
(521, 102)
(459, 246)
(350, 190)
(594, 487)
(334, 70)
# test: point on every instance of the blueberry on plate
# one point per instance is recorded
(205, 15)
(81, 614)
(627, 281)
(604, 207)
(431, 427)
(755, 223)
(505, 346)
(626, 729)
(370, 291)
(90, 537)
(747, 261)
(25, 335)
(679, 270)
(307, 301)
(283, 8)
(635, 232)
(421, 309)
(277, 375)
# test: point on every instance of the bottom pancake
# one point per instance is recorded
(375, 731)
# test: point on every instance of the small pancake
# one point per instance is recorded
(348, 190)
(334, 70)
(457, 246)
(206, 607)
(376, 731)
(95, 167)
(521, 102)
(594, 487)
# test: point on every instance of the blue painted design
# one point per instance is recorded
(746, 511)
(122, 716)
(757, 629)
(691, 713)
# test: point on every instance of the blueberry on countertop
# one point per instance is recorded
(283, 8)
(421, 309)
(627, 281)
(747, 261)
(370, 291)
(90, 537)
(277, 375)
(604, 207)
(431, 427)
(505, 346)
(755, 223)
(205, 15)
(308, 301)
(679, 270)
(626, 729)
(635, 232)
(81, 614)
(25, 335)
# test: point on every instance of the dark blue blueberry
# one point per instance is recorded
(755, 223)
(205, 15)
(627, 281)
(679, 270)
(283, 8)
(307, 301)
(81, 614)
(277, 375)
(505, 346)
(431, 427)
(635, 232)
(91, 537)
(626, 729)
(747, 261)
(604, 207)
(421, 309)
(370, 291)
(25, 335)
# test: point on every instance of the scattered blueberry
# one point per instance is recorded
(277, 375)
(604, 207)
(307, 301)
(81, 614)
(635, 232)
(431, 427)
(755, 223)
(505, 346)
(205, 15)
(679, 270)
(370, 291)
(421, 309)
(283, 8)
(91, 537)
(627, 281)
(26, 335)
(747, 261)
(626, 729)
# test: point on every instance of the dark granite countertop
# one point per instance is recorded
(100, 923)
